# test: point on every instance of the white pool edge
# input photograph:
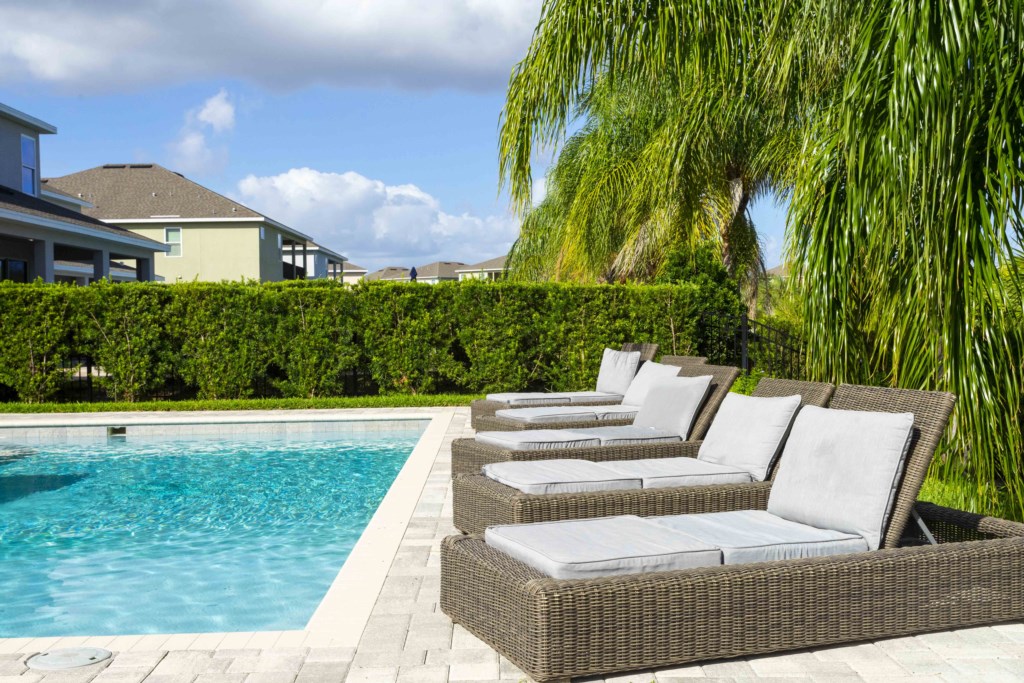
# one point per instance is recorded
(342, 614)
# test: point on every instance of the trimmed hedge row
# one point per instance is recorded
(302, 339)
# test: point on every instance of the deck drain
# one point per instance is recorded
(67, 658)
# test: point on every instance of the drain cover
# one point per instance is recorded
(67, 658)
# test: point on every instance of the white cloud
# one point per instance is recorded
(191, 151)
(218, 112)
(106, 45)
(373, 223)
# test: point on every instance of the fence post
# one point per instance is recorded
(744, 334)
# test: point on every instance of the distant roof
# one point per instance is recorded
(778, 271)
(26, 120)
(349, 267)
(12, 200)
(497, 263)
(389, 273)
(71, 265)
(46, 187)
(438, 269)
(147, 191)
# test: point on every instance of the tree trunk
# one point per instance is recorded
(740, 199)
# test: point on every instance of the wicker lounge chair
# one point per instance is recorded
(486, 408)
(468, 455)
(556, 629)
(722, 378)
(479, 502)
(683, 360)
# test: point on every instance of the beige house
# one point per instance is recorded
(492, 269)
(348, 273)
(43, 232)
(208, 236)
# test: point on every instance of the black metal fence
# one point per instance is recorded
(752, 346)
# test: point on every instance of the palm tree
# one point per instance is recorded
(618, 199)
(897, 130)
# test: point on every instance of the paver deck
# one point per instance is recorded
(408, 640)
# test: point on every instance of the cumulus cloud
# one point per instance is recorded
(106, 45)
(191, 151)
(373, 223)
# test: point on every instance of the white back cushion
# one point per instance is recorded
(840, 469)
(748, 431)
(617, 370)
(650, 373)
(672, 404)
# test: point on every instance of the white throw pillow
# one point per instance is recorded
(748, 432)
(840, 469)
(650, 373)
(617, 370)
(672, 404)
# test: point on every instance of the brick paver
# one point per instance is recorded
(408, 639)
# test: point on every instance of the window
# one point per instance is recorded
(29, 164)
(280, 242)
(263, 232)
(172, 238)
(14, 270)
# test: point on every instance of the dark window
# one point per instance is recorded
(14, 270)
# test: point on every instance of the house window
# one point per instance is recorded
(29, 164)
(280, 242)
(263, 232)
(14, 270)
(172, 238)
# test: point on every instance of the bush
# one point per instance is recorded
(304, 339)
(124, 331)
(35, 339)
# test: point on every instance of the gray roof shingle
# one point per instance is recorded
(439, 269)
(144, 191)
(496, 263)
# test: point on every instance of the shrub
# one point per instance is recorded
(35, 339)
(124, 330)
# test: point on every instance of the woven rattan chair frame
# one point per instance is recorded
(556, 629)
(722, 378)
(486, 408)
(682, 360)
(468, 456)
(480, 502)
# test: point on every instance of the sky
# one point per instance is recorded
(370, 125)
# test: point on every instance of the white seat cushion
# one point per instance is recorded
(536, 439)
(599, 397)
(573, 413)
(669, 472)
(759, 536)
(528, 397)
(558, 476)
(672, 404)
(650, 373)
(617, 370)
(580, 549)
(549, 414)
(627, 434)
(840, 470)
(748, 432)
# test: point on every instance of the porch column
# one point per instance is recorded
(144, 269)
(42, 261)
(100, 265)
(305, 261)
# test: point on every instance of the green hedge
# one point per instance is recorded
(303, 339)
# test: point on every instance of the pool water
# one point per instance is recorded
(196, 534)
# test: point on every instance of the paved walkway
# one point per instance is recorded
(408, 640)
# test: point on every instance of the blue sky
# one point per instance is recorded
(373, 129)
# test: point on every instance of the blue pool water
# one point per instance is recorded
(196, 534)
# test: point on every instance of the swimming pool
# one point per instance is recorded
(185, 533)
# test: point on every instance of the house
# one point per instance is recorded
(348, 273)
(439, 271)
(43, 232)
(389, 274)
(208, 236)
(492, 269)
(310, 261)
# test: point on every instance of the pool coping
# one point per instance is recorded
(341, 616)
